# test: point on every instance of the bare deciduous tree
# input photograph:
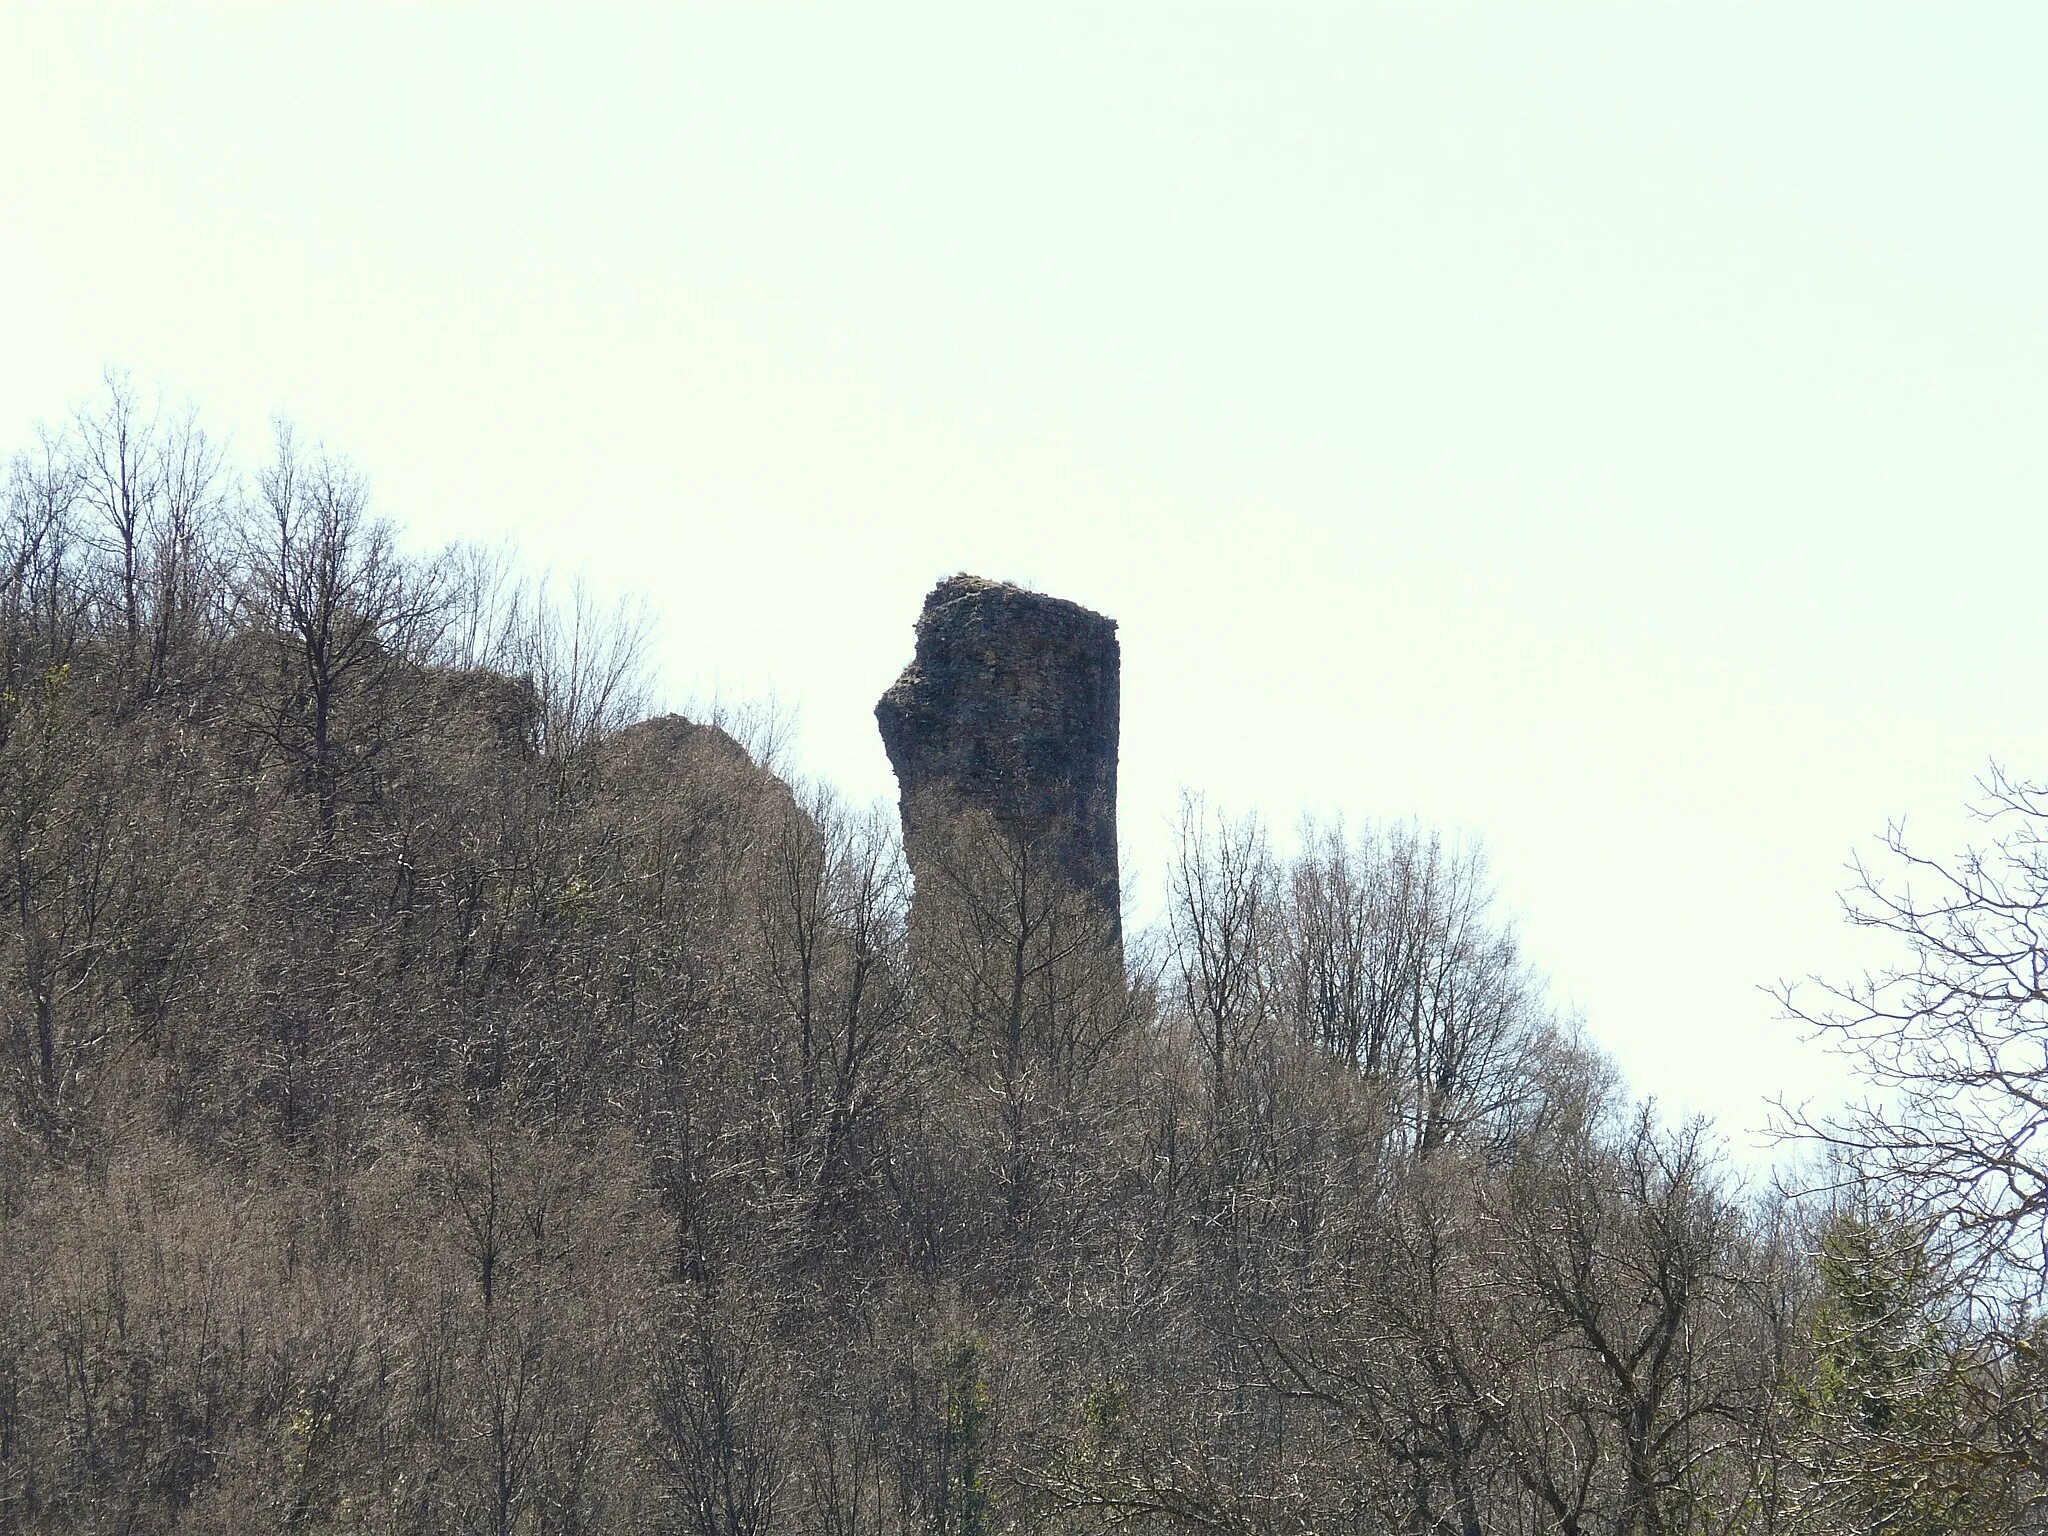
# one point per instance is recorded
(1953, 1038)
(349, 619)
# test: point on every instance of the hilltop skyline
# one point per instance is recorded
(1601, 431)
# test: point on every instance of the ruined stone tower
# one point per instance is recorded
(1009, 708)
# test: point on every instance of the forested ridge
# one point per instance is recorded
(438, 1098)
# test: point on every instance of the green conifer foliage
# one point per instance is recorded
(1884, 1422)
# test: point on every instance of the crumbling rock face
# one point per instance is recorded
(1009, 708)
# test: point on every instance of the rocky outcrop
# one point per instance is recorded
(688, 766)
(1009, 707)
(676, 738)
(494, 710)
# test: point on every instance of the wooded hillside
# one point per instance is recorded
(439, 1099)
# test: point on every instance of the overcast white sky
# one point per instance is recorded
(1614, 431)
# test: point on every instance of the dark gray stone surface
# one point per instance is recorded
(1010, 707)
